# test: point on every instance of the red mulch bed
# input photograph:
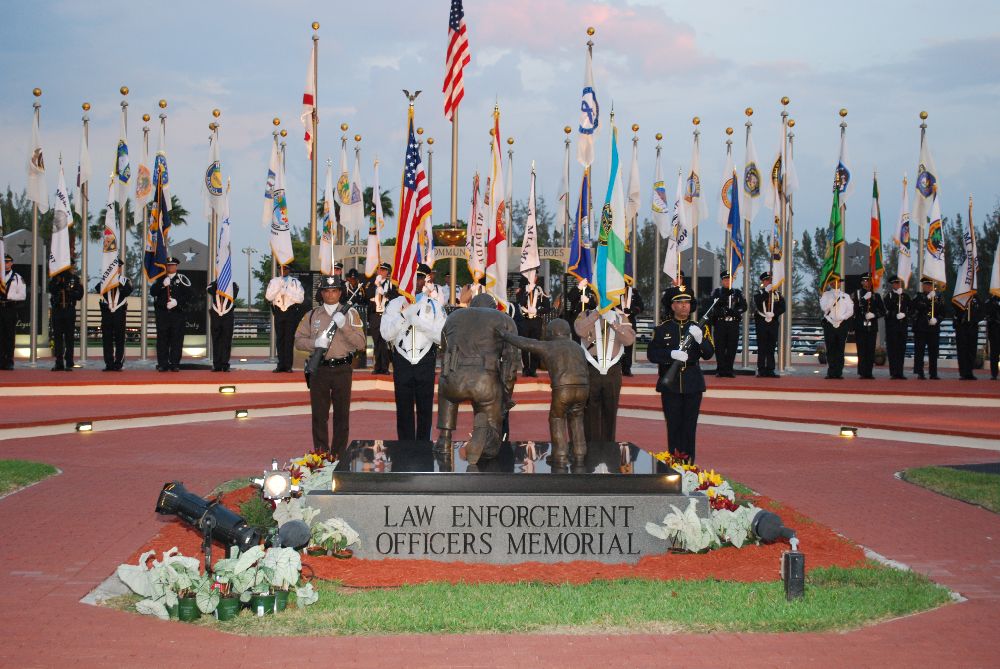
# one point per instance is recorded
(822, 547)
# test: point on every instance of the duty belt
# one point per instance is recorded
(337, 362)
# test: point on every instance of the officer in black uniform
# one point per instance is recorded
(171, 297)
(379, 292)
(577, 301)
(681, 400)
(726, 318)
(868, 308)
(966, 322)
(354, 292)
(992, 313)
(928, 310)
(768, 306)
(222, 315)
(897, 314)
(533, 308)
(632, 307)
(114, 311)
(65, 290)
(13, 294)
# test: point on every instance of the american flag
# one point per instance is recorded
(414, 208)
(456, 60)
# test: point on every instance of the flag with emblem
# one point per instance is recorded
(677, 232)
(348, 196)
(475, 234)
(734, 227)
(158, 230)
(272, 175)
(529, 246)
(111, 259)
(926, 186)
(496, 222)
(37, 190)
(328, 221)
(281, 233)
(308, 115)
(224, 260)
(212, 183)
(562, 214)
(580, 263)
(901, 238)
(844, 178)
(455, 60)
(965, 280)
(59, 256)
(414, 208)
(754, 188)
(660, 205)
(725, 190)
(695, 206)
(994, 275)
(590, 117)
(373, 253)
(875, 266)
(357, 206)
(143, 180)
(123, 170)
(83, 172)
(934, 249)
(632, 203)
(611, 242)
(831, 275)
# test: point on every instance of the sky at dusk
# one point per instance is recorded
(659, 63)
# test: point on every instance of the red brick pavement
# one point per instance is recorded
(68, 533)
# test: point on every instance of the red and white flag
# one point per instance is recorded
(456, 60)
(414, 209)
(309, 103)
(496, 225)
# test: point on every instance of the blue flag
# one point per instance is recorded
(580, 264)
(157, 251)
(734, 226)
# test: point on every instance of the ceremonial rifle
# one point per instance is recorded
(316, 357)
(675, 366)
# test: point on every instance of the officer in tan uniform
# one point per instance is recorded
(332, 381)
(603, 338)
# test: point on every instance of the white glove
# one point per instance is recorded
(608, 315)
(696, 334)
(768, 319)
(868, 295)
(166, 281)
(532, 311)
(900, 316)
(768, 315)
(339, 319)
(932, 294)
(869, 316)
(584, 299)
(379, 280)
(898, 291)
(171, 303)
(678, 354)
(768, 288)
(933, 321)
(322, 341)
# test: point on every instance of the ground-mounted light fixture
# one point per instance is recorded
(84, 426)
(242, 413)
(848, 431)
(227, 390)
(769, 527)
(276, 484)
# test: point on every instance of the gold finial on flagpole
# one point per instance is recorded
(420, 131)
(843, 112)
(729, 131)
(123, 90)
(86, 106)
(748, 111)
(275, 121)
(635, 127)
(923, 114)
(659, 136)
(785, 101)
(163, 104)
(344, 127)
(430, 141)
(212, 126)
(491, 132)
(357, 138)
(696, 121)
(283, 133)
(567, 130)
(37, 92)
(145, 118)
(791, 123)
(510, 141)
(216, 113)
(315, 25)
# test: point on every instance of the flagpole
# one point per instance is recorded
(789, 246)
(315, 135)
(694, 228)
(635, 225)
(921, 223)
(84, 238)
(729, 236)
(785, 324)
(843, 205)
(33, 339)
(430, 171)
(656, 246)
(453, 219)
(357, 161)
(213, 224)
(144, 317)
(565, 230)
(747, 254)
(123, 206)
(274, 263)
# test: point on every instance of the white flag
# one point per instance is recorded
(843, 173)
(3, 254)
(326, 258)
(901, 237)
(562, 215)
(755, 190)
(590, 117)
(212, 186)
(634, 197)
(358, 196)
(272, 175)
(995, 275)
(143, 180)
(965, 280)
(373, 255)
(83, 171)
(496, 239)
(123, 170)
(694, 204)
(281, 236)
(37, 190)
(475, 234)
(349, 195)
(660, 206)
(679, 233)
(309, 102)
(59, 258)
(926, 186)
(111, 260)
(725, 192)
(224, 262)
(529, 246)
(934, 262)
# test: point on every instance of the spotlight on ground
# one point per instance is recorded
(768, 527)
(276, 484)
(242, 413)
(84, 426)
(214, 520)
(848, 431)
(227, 390)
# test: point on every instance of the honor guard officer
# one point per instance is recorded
(727, 318)
(681, 399)
(65, 290)
(13, 293)
(992, 311)
(667, 297)
(868, 308)
(768, 306)
(534, 306)
(838, 309)
(379, 293)
(332, 381)
(355, 291)
(285, 293)
(897, 315)
(603, 338)
(928, 310)
(966, 322)
(433, 290)
(632, 307)
(578, 298)
(171, 297)
(415, 332)
(114, 312)
(222, 315)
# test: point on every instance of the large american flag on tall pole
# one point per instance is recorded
(456, 59)
(414, 208)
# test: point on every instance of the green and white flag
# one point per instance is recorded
(832, 273)
(934, 262)
(611, 242)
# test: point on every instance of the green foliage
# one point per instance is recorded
(16, 474)
(979, 488)
(258, 513)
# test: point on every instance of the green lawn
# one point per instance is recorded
(973, 487)
(15, 474)
(836, 599)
